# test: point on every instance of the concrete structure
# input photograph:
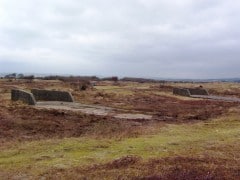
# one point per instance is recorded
(190, 91)
(181, 92)
(24, 96)
(198, 91)
(50, 95)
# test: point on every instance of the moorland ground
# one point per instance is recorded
(185, 139)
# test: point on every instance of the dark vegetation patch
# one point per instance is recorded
(168, 107)
(26, 123)
(132, 167)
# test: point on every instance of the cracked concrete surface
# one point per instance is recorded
(91, 109)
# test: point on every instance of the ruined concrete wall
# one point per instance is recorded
(20, 95)
(181, 92)
(198, 91)
(190, 91)
(49, 95)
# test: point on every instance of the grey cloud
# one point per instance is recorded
(138, 38)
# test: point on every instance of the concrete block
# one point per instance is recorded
(181, 92)
(198, 91)
(52, 95)
(21, 95)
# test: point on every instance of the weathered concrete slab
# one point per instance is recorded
(24, 96)
(91, 109)
(52, 95)
(133, 116)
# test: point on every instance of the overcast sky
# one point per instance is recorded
(141, 38)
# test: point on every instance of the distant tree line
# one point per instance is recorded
(112, 78)
(19, 76)
(85, 79)
(71, 78)
(142, 80)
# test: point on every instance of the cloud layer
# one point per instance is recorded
(148, 38)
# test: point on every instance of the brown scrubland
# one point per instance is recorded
(186, 138)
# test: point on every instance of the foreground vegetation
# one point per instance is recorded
(215, 140)
(186, 139)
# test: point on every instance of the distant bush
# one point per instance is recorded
(11, 76)
(81, 85)
(113, 78)
(141, 80)
(72, 78)
(31, 77)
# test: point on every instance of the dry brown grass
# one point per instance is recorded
(187, 139)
